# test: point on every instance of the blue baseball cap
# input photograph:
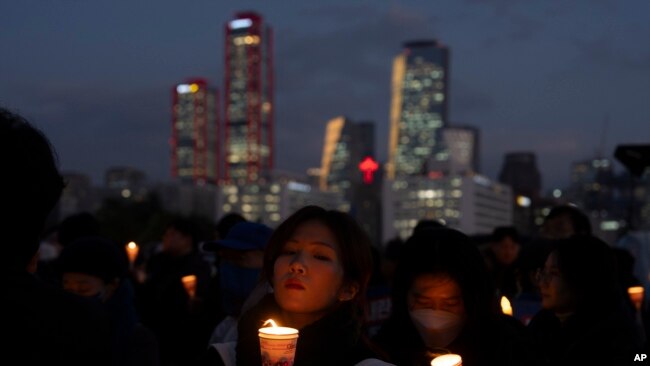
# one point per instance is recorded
(244, 235)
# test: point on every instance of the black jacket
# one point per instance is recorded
(44, 325)
(585, 339)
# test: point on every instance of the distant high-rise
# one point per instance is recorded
(126, 182)
(248, 142)
(460, 154)
(348, 148)
(520, 171)
(194, 142)
(592, 184)
(419, 105)
(346, 145)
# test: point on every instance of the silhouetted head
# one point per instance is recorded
(92, 267)
(31, 186)
(180, 237)
(579, 275)
(227, 222)
(564, 221)
(505, 244)
(77, 226)
(427, 224)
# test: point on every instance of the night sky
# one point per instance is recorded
(564, 79)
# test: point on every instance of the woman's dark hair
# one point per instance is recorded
(31, 187)
(187, 227)
(353, 242)
(448, 252)
(95, 256)
(588, 266)
(579, 220)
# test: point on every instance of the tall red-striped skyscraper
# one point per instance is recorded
(248, 95)
(195, 127)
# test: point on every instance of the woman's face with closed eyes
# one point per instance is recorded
(308, 274)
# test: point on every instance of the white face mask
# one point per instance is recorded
(436, 327)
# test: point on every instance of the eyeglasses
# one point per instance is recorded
(546, 275)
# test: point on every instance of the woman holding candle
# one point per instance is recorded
(319, 264)
(443, 303)
(584, 318)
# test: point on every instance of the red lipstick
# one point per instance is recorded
(293, 283)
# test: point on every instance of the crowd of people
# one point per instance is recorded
(74, 297)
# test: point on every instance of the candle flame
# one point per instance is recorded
(636, 296)
(132, 251)
(447, 360)
(506, 308)
(635, 290)
(270, 321)
(189, 279)
(189, 282)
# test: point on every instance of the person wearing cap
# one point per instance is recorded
(240, 260)
(94, 268)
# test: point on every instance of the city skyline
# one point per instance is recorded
(99, 85)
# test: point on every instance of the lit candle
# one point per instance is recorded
(636, 296)
(277, 344)
(189, 282)
(132, 251)
(505, 306)
(447, 360)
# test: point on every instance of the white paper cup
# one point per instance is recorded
(278, 345)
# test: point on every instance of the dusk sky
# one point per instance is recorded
(564, 79)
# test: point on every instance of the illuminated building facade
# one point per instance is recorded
(194, 143)
(419, 104)
(248, 138)
(592, 185)
(471, 204)
(460, 152)
(126, 182)
(273, 200)
(346, 145)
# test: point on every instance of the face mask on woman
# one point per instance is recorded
(436, 327)
(236, 285)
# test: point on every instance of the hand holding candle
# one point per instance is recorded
(636, 296)
(277, 344)
(189, 282)
(132, 250)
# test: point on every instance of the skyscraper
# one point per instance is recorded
(194, 141)
(419, 104)
(520, 171)
(348, 148)
(248, 131)
(346, 145)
